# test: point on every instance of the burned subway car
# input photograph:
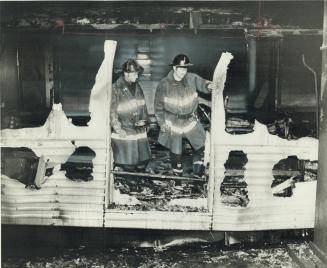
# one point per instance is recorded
(60, 103)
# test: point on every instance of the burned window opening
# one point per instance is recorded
(80, 121)
(22, 164)
(158, 189)
(287, 172)
(233, 189)
(79, 166)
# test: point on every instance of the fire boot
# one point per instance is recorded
(178, 170)
(176, 162)
(198, 169)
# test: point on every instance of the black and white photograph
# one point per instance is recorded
(163, 134)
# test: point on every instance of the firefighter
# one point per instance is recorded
(129, 116)
(176, 103)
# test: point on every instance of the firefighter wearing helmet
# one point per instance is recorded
(129, 115)
(176, 103)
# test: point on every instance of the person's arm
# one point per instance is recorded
(203, 85)
(115, 123)
(159, 106)
(144, 114)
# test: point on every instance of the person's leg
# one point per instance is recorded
(176, 162)
(198, 167)
(142, 165)
(128, 168)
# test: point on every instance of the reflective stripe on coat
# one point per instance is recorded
(126, 110)
(132, 149)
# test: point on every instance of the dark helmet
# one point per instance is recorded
(181, 60)
(131, 66)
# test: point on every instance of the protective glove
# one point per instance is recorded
(122, 133)
(211, 86)
(165, 128)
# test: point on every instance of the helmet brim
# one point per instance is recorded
(182, 65)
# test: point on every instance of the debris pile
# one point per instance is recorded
(233, 189)
(289, 127)
(289, 171)
(238, 125)
(310, 170)
(153, 194)
(160, 162)
(305, 255)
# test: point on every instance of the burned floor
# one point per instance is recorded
(75, 247)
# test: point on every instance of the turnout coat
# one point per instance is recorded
(126, 110)
(176, 105)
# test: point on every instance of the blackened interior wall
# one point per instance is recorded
(296, 82)
(22, 79)
(79, 57)
(9, 76)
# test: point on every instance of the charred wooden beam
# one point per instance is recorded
(156, 176)
(279, 32)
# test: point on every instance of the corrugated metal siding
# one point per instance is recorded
(264, 211)
(158, 220)
(60, 201)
